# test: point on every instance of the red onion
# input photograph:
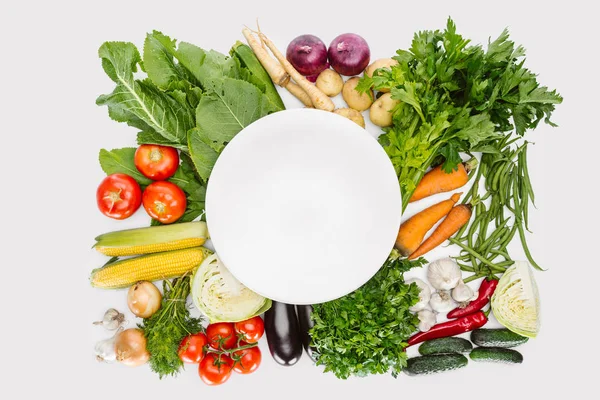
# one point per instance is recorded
(349, 54)
(308, 54)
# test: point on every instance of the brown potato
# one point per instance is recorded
(351, 114)
(381, 63)
(330, 82)
(355, 100)
(379, 113)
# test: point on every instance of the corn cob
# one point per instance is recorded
(151, 267)
(152, 239)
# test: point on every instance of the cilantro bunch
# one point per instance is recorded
(365, 332)
(456, 98)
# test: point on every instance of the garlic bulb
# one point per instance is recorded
(462, 292)
(111, 320)
(442, 301)
(427, 319)
(105, 349)
(424, 295)
(444, 274)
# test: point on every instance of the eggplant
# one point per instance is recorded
(306, 322)
(283, 334)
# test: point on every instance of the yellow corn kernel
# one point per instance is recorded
(149, 267)
(151, 248)
(152, 239)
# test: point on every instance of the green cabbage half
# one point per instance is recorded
(221, 297)
(516, 301)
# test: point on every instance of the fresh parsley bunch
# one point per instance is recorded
(454, 97)
(365, 332)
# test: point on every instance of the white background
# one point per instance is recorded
(52, 131)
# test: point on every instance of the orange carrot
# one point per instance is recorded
(455, 219)
(413, 231)
(437, 181)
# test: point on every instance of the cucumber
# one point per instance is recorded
(446, 345)
(497, 355)
(497, 338)
(434, 363)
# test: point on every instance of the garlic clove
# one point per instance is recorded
(441, 301)
(424, 295)
(427, 319)
(444, 274)
(462, 292)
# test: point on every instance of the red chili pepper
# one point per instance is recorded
(450, 328)
(486, 290)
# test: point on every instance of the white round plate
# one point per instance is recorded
(303, 206)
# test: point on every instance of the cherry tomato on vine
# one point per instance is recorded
(118, 196)
(164, 201)
(252, 329)
(247, 360)
(221, 333)
(215, 370)
(191, 348)
(156, 162)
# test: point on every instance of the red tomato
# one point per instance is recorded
(252, 329)
(164, 201)
(118, 196)
(214, 370)
(191, 348)
(156, 162)
(248, 361)
(221, 333)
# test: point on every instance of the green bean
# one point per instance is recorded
(474, 254)
(501, 253)
(526, 176)
(526, 249)
(473, 277)
(466, 268)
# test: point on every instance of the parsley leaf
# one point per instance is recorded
(365, 331)
(456, 97)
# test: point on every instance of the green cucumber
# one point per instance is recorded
(446, 345)
(497, 338)
(496, 354)
(434, 363)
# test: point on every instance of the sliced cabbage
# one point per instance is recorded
(516, 301)
(221, 297)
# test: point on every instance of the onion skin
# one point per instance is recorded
(349, 54)
(144, 299)
(130, 347)
(308, 54)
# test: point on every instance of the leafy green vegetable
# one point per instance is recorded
(456, 97)
(365, 332)
(139, 102)
(193, 100)
(168, 326)
(120, 161)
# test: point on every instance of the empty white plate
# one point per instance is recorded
(303, 206)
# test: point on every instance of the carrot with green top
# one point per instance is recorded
(456, 218)
(439, 181)
(413, 231)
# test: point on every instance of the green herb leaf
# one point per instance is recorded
(166, 329)
(365, 332)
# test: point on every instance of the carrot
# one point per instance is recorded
(274, 69)
(319, 99)
(455, 219)
(413, 231)
(437, 181)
